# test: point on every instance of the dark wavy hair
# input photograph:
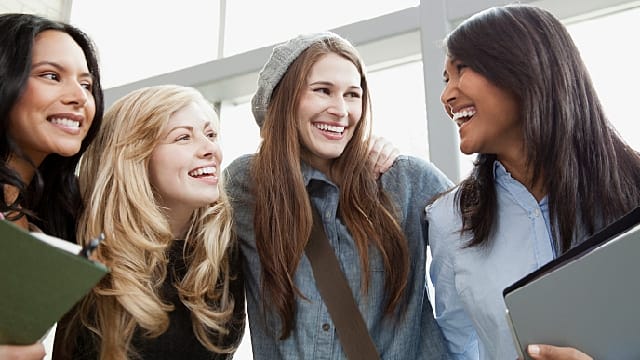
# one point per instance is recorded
(51, 200)
(590, 174)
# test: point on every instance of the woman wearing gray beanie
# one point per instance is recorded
(312, 105)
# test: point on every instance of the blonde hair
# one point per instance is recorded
(120, 202)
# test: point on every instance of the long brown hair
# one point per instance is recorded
(283, 214)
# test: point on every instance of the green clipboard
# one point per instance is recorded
(39, 283)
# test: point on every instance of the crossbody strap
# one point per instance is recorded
(336, 293)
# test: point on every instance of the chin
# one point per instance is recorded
(68, 152)
(467, 150)
(210, 199)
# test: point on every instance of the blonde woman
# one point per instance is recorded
(150, 184)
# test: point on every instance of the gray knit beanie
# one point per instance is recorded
(281, 58)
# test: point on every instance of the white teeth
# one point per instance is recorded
(325, 127)
(462, 116)
(209, 170)
(65, 122)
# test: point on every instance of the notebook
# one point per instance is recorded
(41, 278)
(588, 298)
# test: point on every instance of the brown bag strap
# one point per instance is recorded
(336, 293)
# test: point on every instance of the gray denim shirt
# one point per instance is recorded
(411, 182)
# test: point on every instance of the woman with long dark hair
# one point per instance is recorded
(550, 170)
(51, 106)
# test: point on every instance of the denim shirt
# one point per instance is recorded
(411, 182)
(468, 282)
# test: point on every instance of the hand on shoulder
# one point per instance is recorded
(548, 352)
(382, 154)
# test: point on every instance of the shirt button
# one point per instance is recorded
(325, 327)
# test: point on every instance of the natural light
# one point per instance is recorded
(180, 34)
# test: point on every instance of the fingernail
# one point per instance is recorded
(533, 349)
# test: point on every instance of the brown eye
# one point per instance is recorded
(50, 76)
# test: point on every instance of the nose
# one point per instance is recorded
(448, 96)
(448, 93)
(209, 148)
(76, 94)
(338, 107)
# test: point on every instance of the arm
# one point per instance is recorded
(458, 330)
(548, 352)
(26, 352)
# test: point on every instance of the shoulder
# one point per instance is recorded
(238, 172)
(444, 222)
(443, 208)
(414, 172)
(240, 165)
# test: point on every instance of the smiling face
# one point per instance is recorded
(487, 116)
(330, 107)
(56, 109)
(183, 168)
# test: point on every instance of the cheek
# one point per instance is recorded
(218, 154)
(154, 177)
(355, 113)
(159, 168)
(91, 111)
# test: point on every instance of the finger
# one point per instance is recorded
(18, 352)
(390, 156)
(549, 352)
(375, 147)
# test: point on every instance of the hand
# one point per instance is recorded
(19, 352)
(548, 352)
(382, 154)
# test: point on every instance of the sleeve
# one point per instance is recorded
(457, 328)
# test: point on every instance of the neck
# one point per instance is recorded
(324, 165)
(516, 165)
(179, 223)
(26, 171)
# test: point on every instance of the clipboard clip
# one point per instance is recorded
(91, 246)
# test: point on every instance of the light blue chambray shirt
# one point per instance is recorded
(469, 282)
(410, 183)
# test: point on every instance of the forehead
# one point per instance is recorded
(449, 60)
(57, 46)
(194, 114)
(333, 67)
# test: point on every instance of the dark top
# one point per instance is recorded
(179, 341)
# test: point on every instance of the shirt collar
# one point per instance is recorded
(310, 173)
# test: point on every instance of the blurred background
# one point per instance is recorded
(219, 46)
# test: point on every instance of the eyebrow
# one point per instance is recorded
(207, 124)
(329, 83)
